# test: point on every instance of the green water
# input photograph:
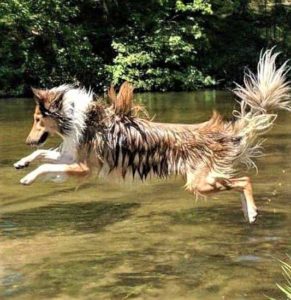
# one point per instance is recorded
(110, 240)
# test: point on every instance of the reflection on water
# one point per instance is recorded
(106, 240)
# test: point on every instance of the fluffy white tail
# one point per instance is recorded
(261, 97)
(267, 91)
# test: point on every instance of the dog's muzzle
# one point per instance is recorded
(40, 141)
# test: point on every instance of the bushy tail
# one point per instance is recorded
(261, 97)
(268, 90)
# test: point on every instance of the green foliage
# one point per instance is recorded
(286, 289)
(156, 44)
(165, 57)
(159, 50)
(44, 45)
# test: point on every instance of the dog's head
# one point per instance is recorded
(47, 117)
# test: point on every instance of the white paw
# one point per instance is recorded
(21, 164)
(28, 179)
(252, 214)
(250, 211)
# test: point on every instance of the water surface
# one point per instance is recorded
(108, 240)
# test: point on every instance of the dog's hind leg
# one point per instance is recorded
(80, 169)
(244, 186)
(204, 184)
(46, 155)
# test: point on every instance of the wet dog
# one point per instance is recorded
(115, 140)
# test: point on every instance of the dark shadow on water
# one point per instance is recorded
(146, 269)
(226, 215)
(58, 276)
(6, 163)
(84, 217)
(34, 197)
(37, 197)
(71, 276)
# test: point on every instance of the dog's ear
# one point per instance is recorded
(124, 98)
(40, 95)
(112, 95)
(55, 100)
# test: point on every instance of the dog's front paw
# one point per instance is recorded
(28, 179)
(21, 164)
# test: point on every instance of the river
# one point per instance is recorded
(96, 239)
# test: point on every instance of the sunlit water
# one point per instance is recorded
(110, 240)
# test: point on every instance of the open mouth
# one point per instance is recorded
(42, 139)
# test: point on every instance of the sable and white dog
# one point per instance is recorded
(113, 139)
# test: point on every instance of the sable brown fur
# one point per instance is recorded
(114, 139)
(143, 148)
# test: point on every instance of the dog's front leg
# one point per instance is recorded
(80, 169)
(48, 155)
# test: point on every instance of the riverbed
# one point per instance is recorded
(97, 239)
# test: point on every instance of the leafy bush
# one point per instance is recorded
(157, 44)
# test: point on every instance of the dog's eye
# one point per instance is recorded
(37, 119)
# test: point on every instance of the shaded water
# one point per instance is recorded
(107, 240)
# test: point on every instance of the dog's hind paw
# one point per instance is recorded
(250, 211)
(21, 164)
(252, 215)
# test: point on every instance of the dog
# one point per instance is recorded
(113, 138)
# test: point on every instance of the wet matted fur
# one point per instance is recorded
(115, 140)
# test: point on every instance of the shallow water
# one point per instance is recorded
(109, 240)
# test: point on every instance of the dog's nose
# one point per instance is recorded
(28, 141)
